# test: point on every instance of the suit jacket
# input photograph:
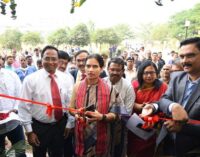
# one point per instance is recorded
(189, 137)
(160, 65)
(74, 74)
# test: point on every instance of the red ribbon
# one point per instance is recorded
(49, 107)
(150, 121)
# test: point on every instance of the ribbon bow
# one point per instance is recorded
(151, 121)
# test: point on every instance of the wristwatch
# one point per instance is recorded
(104, 117)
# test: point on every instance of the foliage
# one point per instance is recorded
(177, 23)
(144, 32)
(84, 34)
(80, 35)
(91, 29)
(59, 37)
(124, 32)
(32, 38)
(11, 39)
(107, 36)
(160, 32)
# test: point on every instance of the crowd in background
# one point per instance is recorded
(31, 61)
(112, 88)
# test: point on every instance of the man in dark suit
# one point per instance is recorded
(183, 93)
(155, 59)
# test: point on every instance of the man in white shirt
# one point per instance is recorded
(64, 59)
(10, 85)
(127, 94)
(50, 86)
(36, 56)
(68, 141)
(130, 72)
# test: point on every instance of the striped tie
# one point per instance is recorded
(188, 92)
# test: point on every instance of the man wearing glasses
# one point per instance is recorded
(48, 85)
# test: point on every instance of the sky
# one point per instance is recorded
(49, 15)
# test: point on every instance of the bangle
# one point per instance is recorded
(104, 117)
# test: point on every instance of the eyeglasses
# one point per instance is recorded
(146, 73)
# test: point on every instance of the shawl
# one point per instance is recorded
(103, 101)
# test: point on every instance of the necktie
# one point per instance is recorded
(83, 76)
(56, 98)
(188, 93)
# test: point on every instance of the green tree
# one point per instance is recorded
(160, 32)
(177, 23)
(107, 36)
(91, 29)
(124, 32)
(80, 35)
(32, 38)
(59, 37)
(11, 39)
(144, 32)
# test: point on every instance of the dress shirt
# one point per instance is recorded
(130, 74)
(9, 85)
(126, 92)
(156, 63)
(37, 87)
(70, 76)
(189, 83)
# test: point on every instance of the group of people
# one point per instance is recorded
(92, 103)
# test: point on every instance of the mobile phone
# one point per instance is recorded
(90, 108)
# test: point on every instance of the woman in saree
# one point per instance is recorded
(148, 89)
(92, 128)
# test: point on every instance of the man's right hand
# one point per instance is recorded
(173, 126)
(179, 114)
(33, 139)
